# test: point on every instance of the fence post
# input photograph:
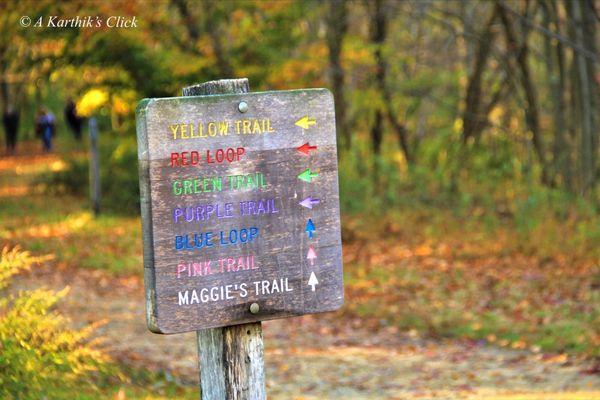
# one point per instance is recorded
(94, 166)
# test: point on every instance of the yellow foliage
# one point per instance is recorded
(305, 70)
(496, 115)
(120, 106)
(12, 261)
(91, 101)
(124, 102)
(41, 356)
(458, 125)
(58, 165)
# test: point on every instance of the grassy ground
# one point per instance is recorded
(316, 356)
(156, 388)
(429, 271)
(63, 225)
(65, 228)
(469, 284)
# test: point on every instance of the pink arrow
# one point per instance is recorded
(311, 256)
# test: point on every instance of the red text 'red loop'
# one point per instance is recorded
(191, 158)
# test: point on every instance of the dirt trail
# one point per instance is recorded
(312, 357)
(318, 357)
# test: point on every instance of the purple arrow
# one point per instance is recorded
(309, 202)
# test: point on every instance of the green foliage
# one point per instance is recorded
(119, 176)
(41, 357)
(148, 74)
(120, 179)
(479, 187)
(72, 180)
(484, 194)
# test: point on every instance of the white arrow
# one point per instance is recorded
(313, 281)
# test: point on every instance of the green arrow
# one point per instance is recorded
(307, 176)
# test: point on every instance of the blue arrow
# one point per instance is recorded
(310, 228)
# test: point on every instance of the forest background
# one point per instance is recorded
(468, 136)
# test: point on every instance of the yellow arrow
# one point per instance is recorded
(305, 122)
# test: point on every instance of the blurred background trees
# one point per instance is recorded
(434, 97)
(468, 136)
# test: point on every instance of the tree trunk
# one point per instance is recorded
(590, 38)
(531, 109)
(337, 25)
(555, 61)
(378, 27)
(378, 33)
(215, 33)
(191, 25)
(585, 84)
(473, 119)
(400, 129)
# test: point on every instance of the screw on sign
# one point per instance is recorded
(240, 213)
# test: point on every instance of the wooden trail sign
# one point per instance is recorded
(240, 208)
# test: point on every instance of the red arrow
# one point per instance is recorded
(306, 148)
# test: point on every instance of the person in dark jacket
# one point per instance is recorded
(74, 121)
(10, 119)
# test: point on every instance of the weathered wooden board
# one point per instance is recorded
(240, 207)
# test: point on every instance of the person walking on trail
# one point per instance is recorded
(45, 127)
(74, 121)
(10, 119)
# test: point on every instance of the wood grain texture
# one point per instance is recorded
(231, 359)
(221, 86)
(232, 362)
(243, 353)
(281, 250)
(212, 365)
(146, 214)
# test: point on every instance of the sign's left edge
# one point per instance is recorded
(146, 214)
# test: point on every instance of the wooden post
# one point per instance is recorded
(94, 166)
(230, 359)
